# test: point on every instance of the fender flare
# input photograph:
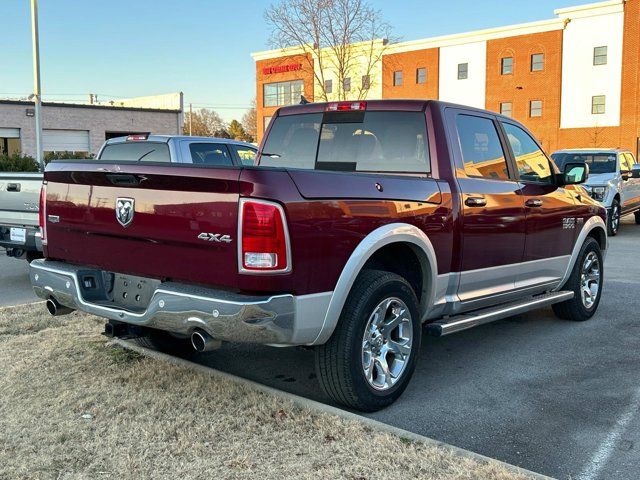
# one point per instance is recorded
(374, 241)
(590, 225)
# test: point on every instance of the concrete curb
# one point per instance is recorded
(321, 407)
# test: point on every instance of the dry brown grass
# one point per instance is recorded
(74, 407)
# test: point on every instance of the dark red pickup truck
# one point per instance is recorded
(362, 222)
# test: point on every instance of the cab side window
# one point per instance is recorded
(215, 154)
(482, 151)
(625, 162)
(247, 155)
(533, 165)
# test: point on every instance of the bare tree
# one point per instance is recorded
(205, 123)
(337, 35)
(596, 136)
(250, 121)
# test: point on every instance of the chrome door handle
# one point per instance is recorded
(533, 202)
(475, 202)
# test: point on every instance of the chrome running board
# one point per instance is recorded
(468, 320)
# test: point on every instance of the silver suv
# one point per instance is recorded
(614, 180)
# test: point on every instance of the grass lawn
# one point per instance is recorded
(73, 406)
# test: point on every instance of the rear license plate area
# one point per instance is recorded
(132, 293)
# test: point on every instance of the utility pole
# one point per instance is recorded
(37, 93)
(190, 116)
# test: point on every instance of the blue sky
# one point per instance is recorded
(125, 48)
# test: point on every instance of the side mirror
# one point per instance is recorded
(574, 173)
(635, 170)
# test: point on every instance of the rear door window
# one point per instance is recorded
(482, 151)
(136, 152)
(388, 142)
(212, 154)
(247, 155)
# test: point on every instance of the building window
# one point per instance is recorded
(346, 84)
(421, 75)
(535, 108)
(328, 86)
(600, 56)
(397, 78)
(537, 62)
(598, 104)
(283, 93)
(506, 109)
(463, 71)
(507, 66)
(265, 122)
(366, 82)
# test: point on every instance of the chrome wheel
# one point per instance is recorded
(387, 343)
(590, 280)
(615, 217)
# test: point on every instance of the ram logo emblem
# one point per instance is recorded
(125, 211)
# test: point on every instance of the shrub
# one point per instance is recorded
(18, 163)
(48, 156)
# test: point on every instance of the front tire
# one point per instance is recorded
(586, 282)
(370, 358)
(613, 222)
(637, 215)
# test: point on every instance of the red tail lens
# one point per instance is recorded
(346, 106)
(137, 137)
(42, 212)
(264, 238)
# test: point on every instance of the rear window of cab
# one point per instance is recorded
(136, 152)
(368, 141)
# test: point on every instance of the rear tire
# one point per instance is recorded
(613, 222)
(370, 358)
(166, 343)
(586, 282)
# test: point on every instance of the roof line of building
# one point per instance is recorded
(540, 26)
(82, 105)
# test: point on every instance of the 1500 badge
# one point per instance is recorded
(215, 237)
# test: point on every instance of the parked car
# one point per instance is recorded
(614, 180)
(363, 221)
(19, 192)
(19, 203)
(209, 151)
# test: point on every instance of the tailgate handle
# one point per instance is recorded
(123, 179)
(13, 187)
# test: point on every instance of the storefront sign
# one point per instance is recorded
(282, 68)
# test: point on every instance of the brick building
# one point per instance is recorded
(574, 80)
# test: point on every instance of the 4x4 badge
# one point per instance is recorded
(125, 211)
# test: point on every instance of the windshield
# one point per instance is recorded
(136, 151)
(349, 142)
(598, 162)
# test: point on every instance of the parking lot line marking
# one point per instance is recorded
(600, 458)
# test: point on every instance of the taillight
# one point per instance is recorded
(345, 106)
(264, 242)
(42, 212)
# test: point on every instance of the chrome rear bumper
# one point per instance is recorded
(179, 308)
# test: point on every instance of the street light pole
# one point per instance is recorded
(37, 94)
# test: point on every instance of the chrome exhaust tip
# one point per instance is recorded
(55, 309)
(203, 342)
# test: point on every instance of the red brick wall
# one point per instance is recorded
(523, 85)
(409, 62)
(274, 70)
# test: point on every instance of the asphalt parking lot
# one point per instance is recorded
(552, 396)
(15, 288)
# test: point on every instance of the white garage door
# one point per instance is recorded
(65, 140)
(9, 132)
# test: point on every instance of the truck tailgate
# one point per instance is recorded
(178, 216)
(19, 197)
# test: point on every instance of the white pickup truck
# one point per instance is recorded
(20, 192)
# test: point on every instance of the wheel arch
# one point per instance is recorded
(372, 248)
(595, 228)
